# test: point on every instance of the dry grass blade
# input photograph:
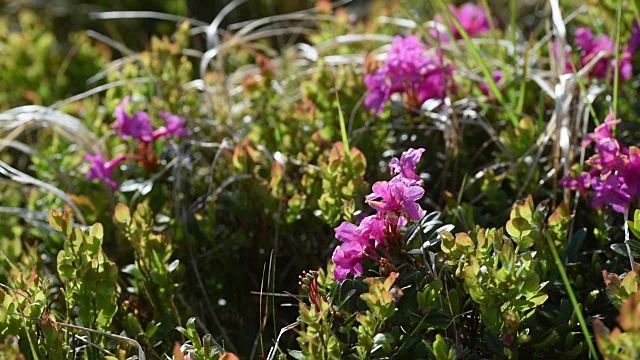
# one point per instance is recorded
(283, 17)
(109, 41)
(116, 15)
(22, 178)
(17, 121)
(213, 39)
(273, 351)
(100, 89)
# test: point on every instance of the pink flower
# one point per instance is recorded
(631, 172)
(350, 233)
(175, 126)
(137, 126)
(101, 169)
(591, 46)
(472, 17)
(580, 183)
(347, 259)
(371, 228)
(397, 197)
(395, 202)
(615, 177)
(407, 164)
(610, 192)
(407, 70)
(374, 226)
(603, 131)
(608, 156)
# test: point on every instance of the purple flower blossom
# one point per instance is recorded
(407, 70)
(101, 169)
(591, 45)
(350, 233)
(395, 201)
(175, 126)
(347, 259)
(603, 131)
(374, 226)
(137, 126)
(580, 183)
(608, 156)
(631, 172)
(407, 164)
(610, 192)
(398, 197)
(615, 177)
(472, 17)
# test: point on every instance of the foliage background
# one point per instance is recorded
(233, 224)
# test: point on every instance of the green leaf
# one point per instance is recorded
(297, 354)
(440, 348)
(518, 228)
(621, 248)
(56, 220)
(122, 213)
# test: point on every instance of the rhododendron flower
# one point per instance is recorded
(472, 17)
(347, 259)
(101, 169)
(375, 226)
(591, 45)
(631, 172)
(407, 164)
(615, 177)
(395, 196)
(410, 71)
(175, 126)
(137, 126)
(603, 131)
(395, 201)
(580, 183)
(610, 192)
(350, 233)
(608, 156)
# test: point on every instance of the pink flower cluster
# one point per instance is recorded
(395, 202)
(590, 46)
(101, 169)
(137, 126)
(410, 71)
(472, 17)
(615, 174)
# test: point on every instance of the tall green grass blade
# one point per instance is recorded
(616, 70)
(583, 89)
(572, 297)
(540, 125)
(525, 74)
(343, 128)
(493, 87)
(512, 18)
